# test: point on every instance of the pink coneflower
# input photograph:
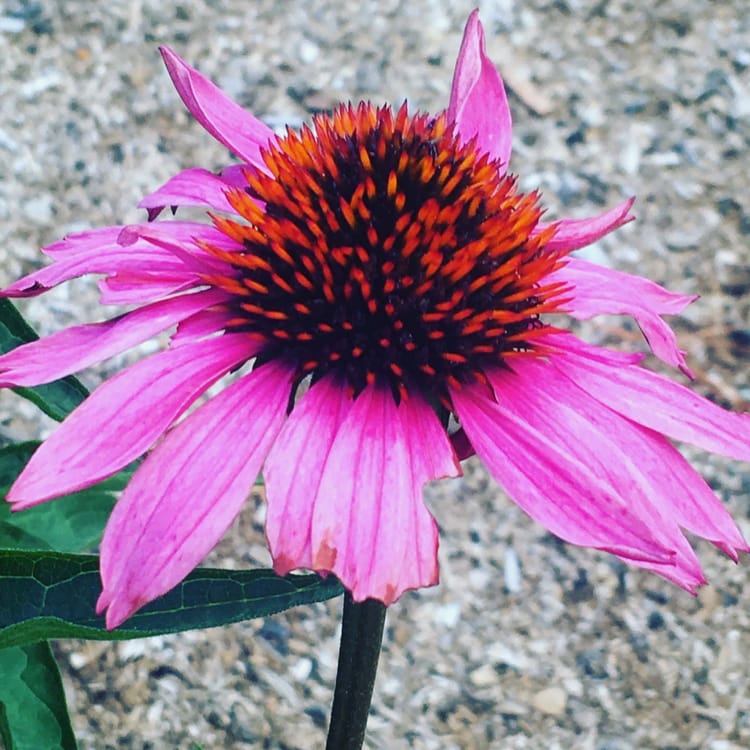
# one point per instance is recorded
(388, 260)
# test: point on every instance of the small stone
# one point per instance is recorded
(6, 142)
(132, 649)
(39, 210)
(308, 52)
(78, 660)
(10, 25)
(630, 157)
(41, 83)
(484, 676)
(551, 701)
(302, 669)
(478, 579)
(511, 570)
(447, 615)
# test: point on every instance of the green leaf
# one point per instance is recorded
(56, 399)
(68, 524)
(47, 595)
(33, 714)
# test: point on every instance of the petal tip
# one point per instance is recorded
(478, 102)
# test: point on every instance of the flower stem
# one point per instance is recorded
(361, 636)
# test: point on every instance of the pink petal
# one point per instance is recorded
(181, 233)
(223, 118)
(181, 240)
(192, 187)
(142, 288)
(572, 234)
(82, 241)
(693, 504)
(124, 417)
(478, 104)
(235, 175)
(574, 466)
(185, 495)
(92, 253)
(363, 476)
(671, 487)
(651, 399)
(76, 348)
(167, 249)
(294, 470)
(200, 325)
(595, 290)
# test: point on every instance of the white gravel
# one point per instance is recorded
(526, 643)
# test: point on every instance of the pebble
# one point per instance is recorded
(484, 676)
(36, 86)
(39, 209)
(308, 51)
(709, 598)
(447, 615)
(552, 701)
(511, 570)
(504, 654)
(11, 25)
(8, 143)
(78, 660)
(301, 669)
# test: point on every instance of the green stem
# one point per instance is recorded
(361, 636)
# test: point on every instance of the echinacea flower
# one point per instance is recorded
(378, 272)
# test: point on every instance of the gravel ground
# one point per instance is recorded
(526, 643)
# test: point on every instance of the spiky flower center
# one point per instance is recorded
(381, 247)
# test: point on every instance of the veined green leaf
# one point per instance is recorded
(47, 595)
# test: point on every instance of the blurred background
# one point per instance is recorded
(526, 643)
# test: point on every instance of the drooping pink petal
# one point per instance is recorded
(223, 118)
(572, 234)
(671, 487)
(478, 104)
(664, 489)
(191, 187)
(368, 523)
(651, 399)
(573, 465)
(693, 504)
(122, 418)
(595, 290)
(185, 495)
(78, 347)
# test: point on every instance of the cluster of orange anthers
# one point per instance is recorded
(382, 247)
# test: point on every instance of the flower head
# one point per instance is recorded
(386, 259)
